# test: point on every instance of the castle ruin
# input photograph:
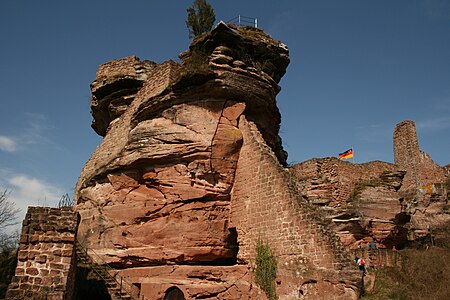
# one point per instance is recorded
(191, 173)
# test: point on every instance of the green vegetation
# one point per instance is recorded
(266, 269)
(386, 287)
(200, 18)
(421, 274)
(8, 258)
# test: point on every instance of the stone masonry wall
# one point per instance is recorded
(265, 205)
(407, 153)
(46, 258)
(421, 170)
(336, 177)
(128, 66)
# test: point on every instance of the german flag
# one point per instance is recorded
(346, 154)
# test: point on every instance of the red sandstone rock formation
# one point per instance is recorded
(391, 204)
(190, 174)
(156, 192)
(361, 200)
(157, 189)
(425, 189)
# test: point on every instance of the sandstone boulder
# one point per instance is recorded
(156, 192)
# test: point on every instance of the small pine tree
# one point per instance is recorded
(200, 18)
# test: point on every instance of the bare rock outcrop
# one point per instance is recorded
(380, 210)
(166, 164)
(361, 200)
(156, 192)
(191, 173)
(390, 204)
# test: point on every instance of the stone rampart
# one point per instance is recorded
(335, 177)
(47, 257)
(266, 206)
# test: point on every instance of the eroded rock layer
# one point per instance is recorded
(389, 204)
(157, 189)
(191, 174)
(156, 192)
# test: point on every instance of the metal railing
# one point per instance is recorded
(65, 201)
(104, 271)
(244, 21)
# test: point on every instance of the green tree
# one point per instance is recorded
(201, 18)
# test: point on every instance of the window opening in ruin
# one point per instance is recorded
(174, 293)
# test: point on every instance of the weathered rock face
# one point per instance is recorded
(425, 190)
(156, 192)
(421, 169)
(157, 189)
(195, 282)
(361, 200)
(190, 175)
(380, 210)
(115, 87)
(391, 204)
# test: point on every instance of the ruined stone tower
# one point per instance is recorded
(420, 169)
(407, 153)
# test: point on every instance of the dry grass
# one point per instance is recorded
(422, 274)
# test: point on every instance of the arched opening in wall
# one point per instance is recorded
(174, 293)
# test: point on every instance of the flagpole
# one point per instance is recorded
(353, 151)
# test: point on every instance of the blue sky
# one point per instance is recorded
(358, 67)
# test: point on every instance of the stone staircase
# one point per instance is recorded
(378, 258)
(118, 288)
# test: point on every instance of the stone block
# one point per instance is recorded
(41, 258)
(55, 296)
(57, 252)
(56, 266)
(67, 253)
(54, 272)
(20, 271)
(32, 255)
(47, 281)
(32, 271)
(22, 255)
(37, 281)
(44, 272)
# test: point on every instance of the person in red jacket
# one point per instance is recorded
(362, 265)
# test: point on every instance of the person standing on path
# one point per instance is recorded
(362, 265)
